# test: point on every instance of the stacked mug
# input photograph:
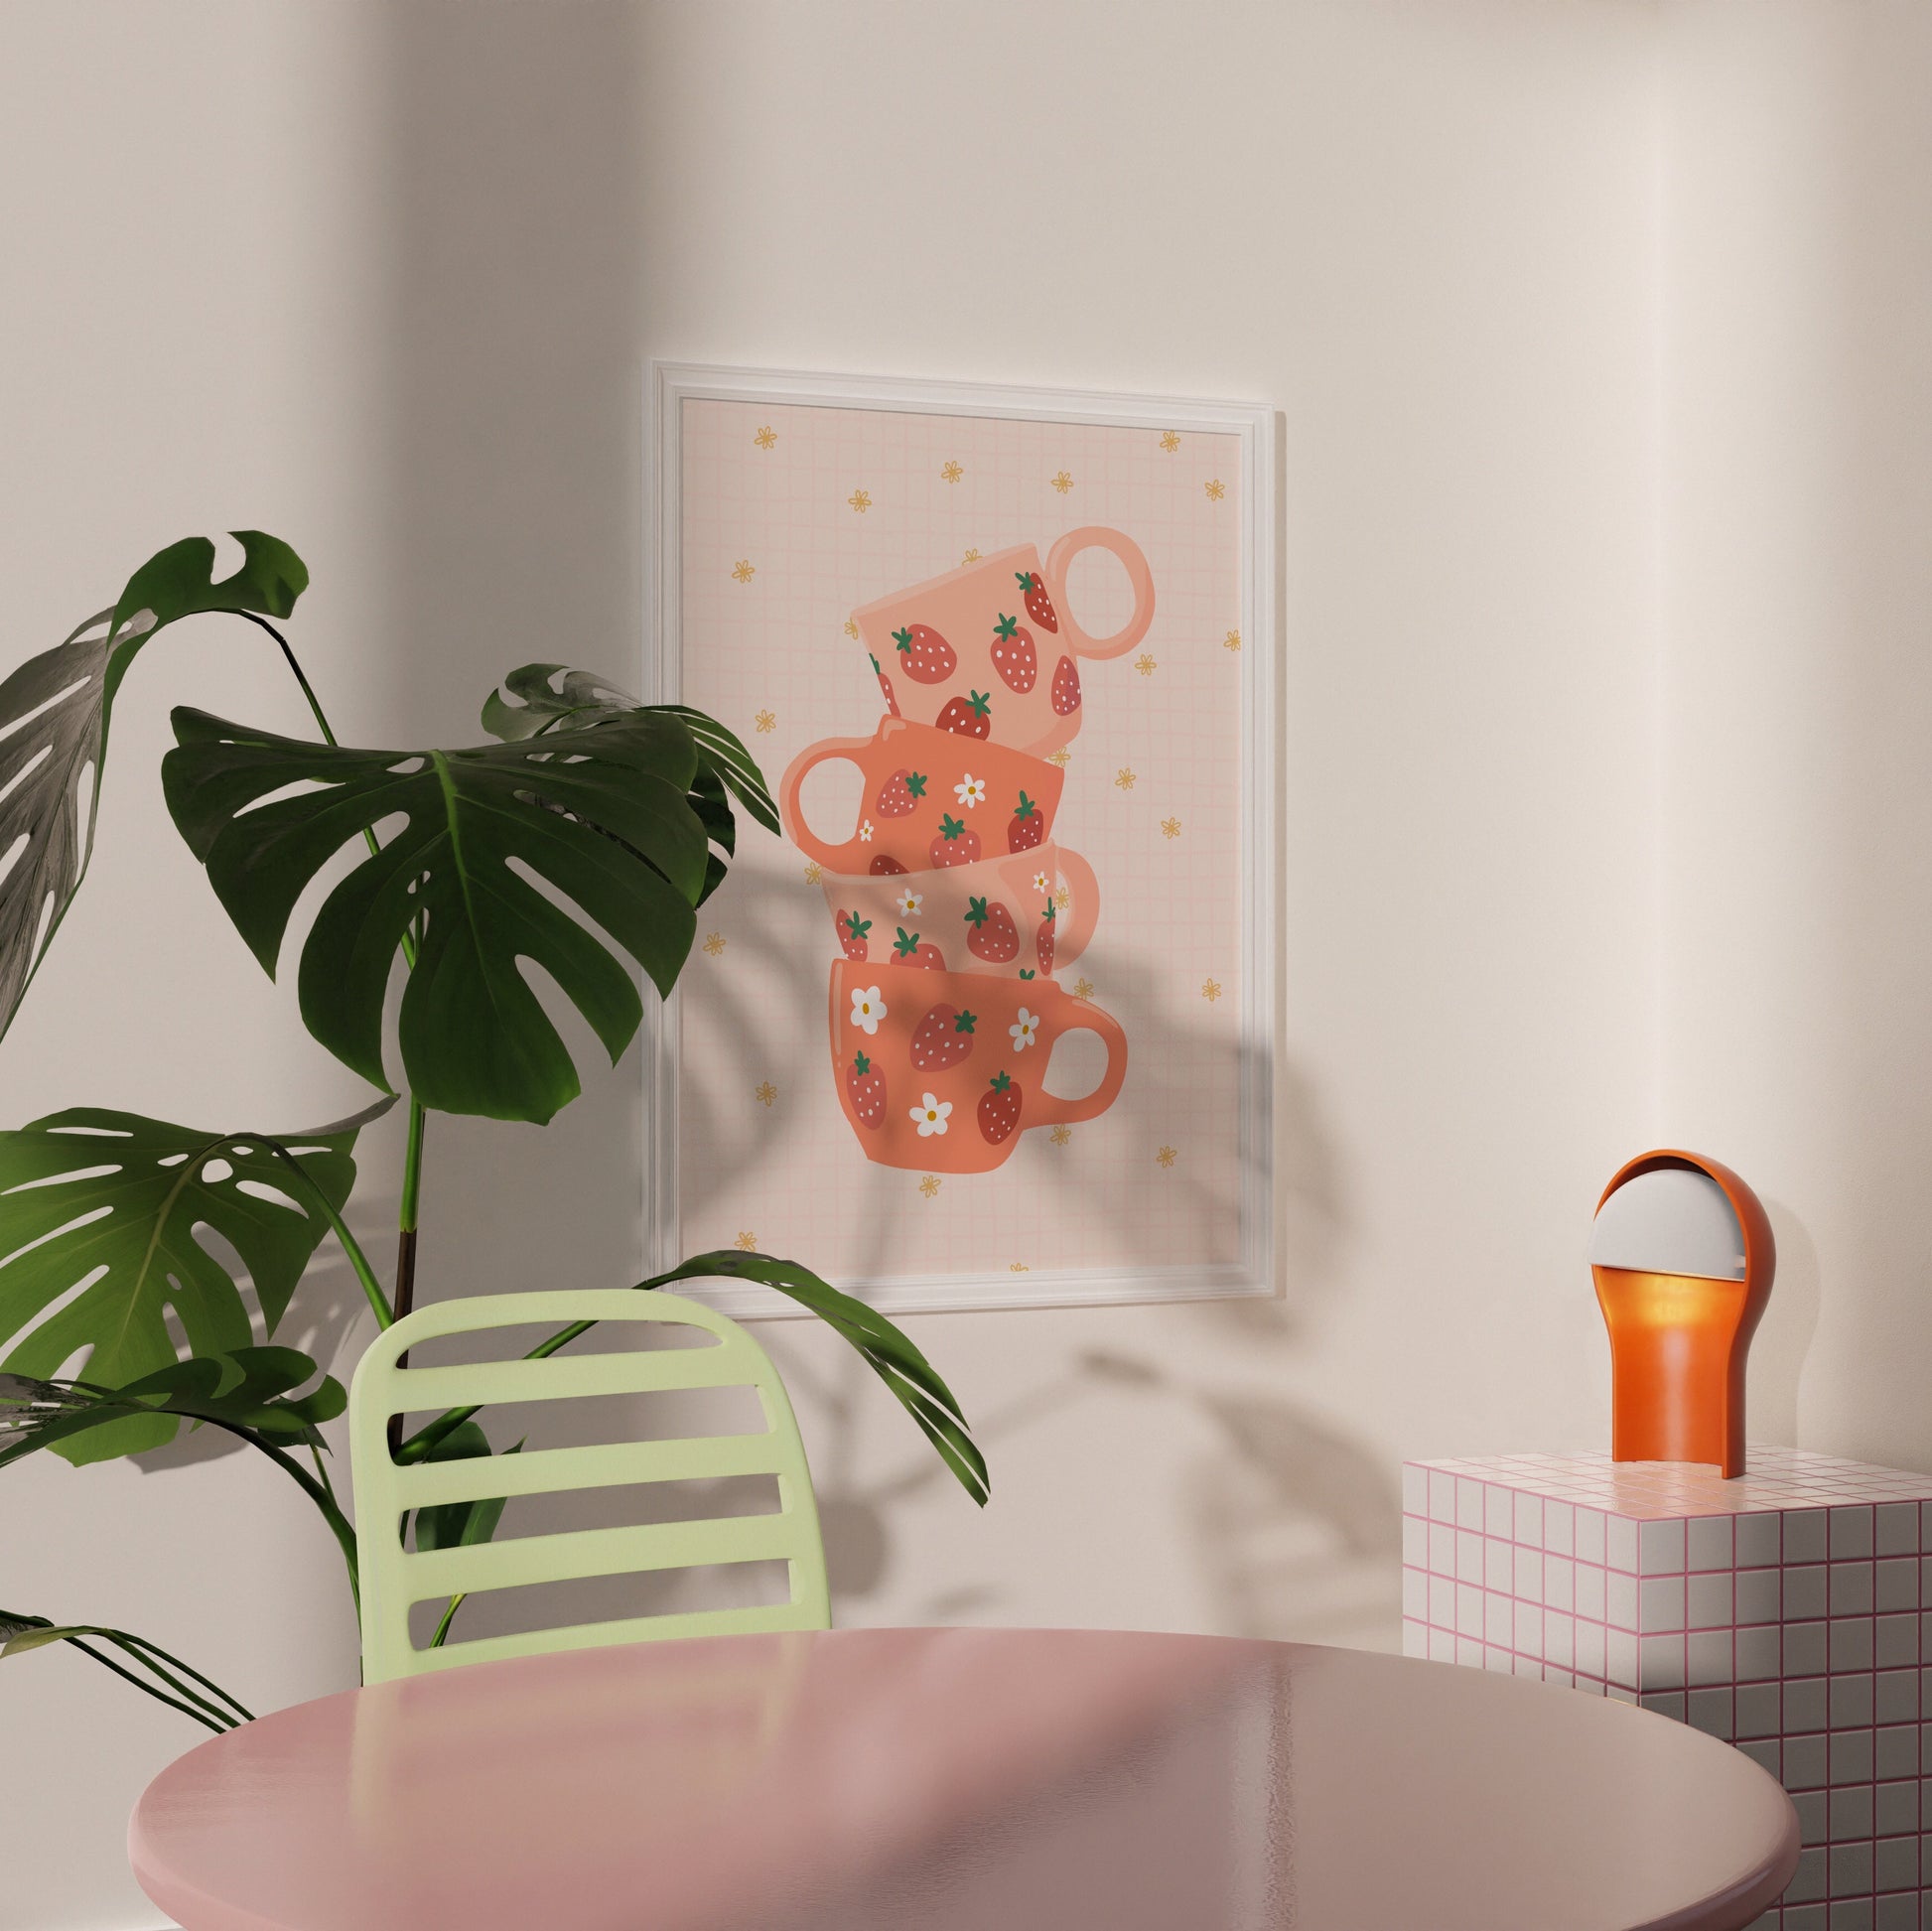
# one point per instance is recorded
(945, 898)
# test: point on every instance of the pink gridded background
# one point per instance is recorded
(774, 556)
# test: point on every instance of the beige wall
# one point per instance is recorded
(1798, 700)
(382, 279)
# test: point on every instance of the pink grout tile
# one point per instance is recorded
(1788, 1622)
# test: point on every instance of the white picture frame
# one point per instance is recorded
(669, 387)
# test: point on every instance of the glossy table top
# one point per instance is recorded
(953, 1779)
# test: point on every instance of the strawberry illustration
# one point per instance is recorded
(1043, 938)
(865, 1086)
(851, 930)
(953, 844)
(885, 685)
(1000, 1108)
(1040, 606)
(969, 716)
(1014, 655)
(1066, 688)
(994, 937)
(883, 866)
(908, 951)
(942, 1038)
(924, 656)
(901, 794)
(1027, 828)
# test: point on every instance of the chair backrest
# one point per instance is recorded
(394, 1577)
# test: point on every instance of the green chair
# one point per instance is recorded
(394, 1577)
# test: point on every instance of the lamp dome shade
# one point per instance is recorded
(1670, 1220)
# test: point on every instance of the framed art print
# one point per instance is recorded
(990, 1024)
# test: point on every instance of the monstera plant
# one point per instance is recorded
(626, 811)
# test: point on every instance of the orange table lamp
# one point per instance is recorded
(1683, 1258)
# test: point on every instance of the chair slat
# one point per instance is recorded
(544, 1472)
(571, 1378)
(745, 1620)
(579, 1553)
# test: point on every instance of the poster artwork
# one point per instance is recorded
(977, 1013)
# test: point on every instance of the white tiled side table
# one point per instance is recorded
(1780, 1611)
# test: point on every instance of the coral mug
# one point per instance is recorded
(931, 798)
(941, 1071)
(993, 643)
(997, 916)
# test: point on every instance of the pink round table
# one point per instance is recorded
(962, 1780)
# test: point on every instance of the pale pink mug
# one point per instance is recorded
(991, 649)
(997, 917)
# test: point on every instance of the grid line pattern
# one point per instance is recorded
(1788, 1611)
(772, 644)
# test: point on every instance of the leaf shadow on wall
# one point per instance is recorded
(1294, 1526)
(749, 1028)
(323, 1314)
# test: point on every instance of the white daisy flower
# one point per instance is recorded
(1024, 1031)
(868, 1008)
(930, 1115)
(908, 903)
(970, 790)
(1042, 882)
(864, 833)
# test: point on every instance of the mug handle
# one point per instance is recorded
(1056, 1111)
(1096, 536)
(1086, 908)
(808, 760)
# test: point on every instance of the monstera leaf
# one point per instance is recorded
(54, 715)
(890, 1354)
(244, 1391)
(112, 1204)
(603, 815)
(550, 697)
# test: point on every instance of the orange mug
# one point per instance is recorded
(990, 648)
(931, 798)
(997, 916)
(941, 1071)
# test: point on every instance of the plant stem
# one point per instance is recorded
(327, 737)
(321, 1494)
(308, 689)
(364, 1273)
(412, 1193)
(449, 1616)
